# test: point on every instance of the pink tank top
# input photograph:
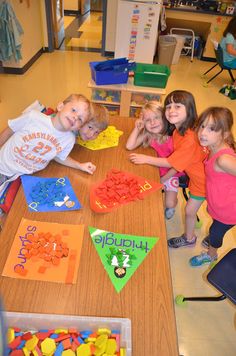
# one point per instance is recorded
(220, 191)
(164, 150)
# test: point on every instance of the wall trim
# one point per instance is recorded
(22, 70)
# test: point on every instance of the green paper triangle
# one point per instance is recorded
(121, 254)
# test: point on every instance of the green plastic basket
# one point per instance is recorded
(151, 75)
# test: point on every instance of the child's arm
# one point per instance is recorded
(153, 161)
(5, 135)
(70, 162)
(227, 163)
(171, 172)
(136, 137)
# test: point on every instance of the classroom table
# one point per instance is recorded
(147, 298)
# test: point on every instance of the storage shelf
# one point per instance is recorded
(125, 93)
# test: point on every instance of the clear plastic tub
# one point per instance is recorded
(34, 322)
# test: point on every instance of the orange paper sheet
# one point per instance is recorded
(45, 251)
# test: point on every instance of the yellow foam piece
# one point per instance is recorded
(107, 138)
(122, 352)
(83, 350)
(104, 331)
(111, 346)
(59, 331)
(31, 343)
(26, 351)
(48, 346)
(68, 353)
(10, 335)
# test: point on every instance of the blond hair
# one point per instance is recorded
(76, 97)
(99, 116)
(156, 108)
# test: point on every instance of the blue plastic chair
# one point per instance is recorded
(222, 277)
(220, 63)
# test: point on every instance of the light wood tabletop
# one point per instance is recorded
(146, 299)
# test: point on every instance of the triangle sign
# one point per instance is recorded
(121, 254)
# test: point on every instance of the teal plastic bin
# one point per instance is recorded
(151, 75)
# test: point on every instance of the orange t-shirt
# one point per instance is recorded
(188, 156)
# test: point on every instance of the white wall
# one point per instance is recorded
(112, 6)
(72, 5)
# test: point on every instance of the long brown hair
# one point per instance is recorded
(185, 98)
(231, 28)
(222, 121)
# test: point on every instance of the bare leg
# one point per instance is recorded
(170, 199)
(191, 210)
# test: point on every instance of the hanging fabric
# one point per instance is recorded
(10, 33)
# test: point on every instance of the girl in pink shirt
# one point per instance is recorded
(152, 129)
(214, 131)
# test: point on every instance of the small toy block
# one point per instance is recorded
(111, 346)
(104, 331)
(66, 343)
(15, 343)
(62, 337)
(37, 352)
(72, 331)
(26, 351)
(27, 336)
(83, 350)
(69, 353)
(10, 335)
(48, 346)
(41, 335)
(31, 343)
(17, 353)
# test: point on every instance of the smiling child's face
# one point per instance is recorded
(89, 131)
(71, 116)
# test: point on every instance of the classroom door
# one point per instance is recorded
(85, 6)
(58, 22)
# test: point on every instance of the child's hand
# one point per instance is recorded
(88, 167)
(138, 158)
(139, 124)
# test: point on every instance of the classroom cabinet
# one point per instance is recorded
(124, 100)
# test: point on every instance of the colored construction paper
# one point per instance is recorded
(49, 194)
(45, 251)
(121, 254)
(107, 138)
(119, 188)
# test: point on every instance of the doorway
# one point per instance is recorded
(83, 26)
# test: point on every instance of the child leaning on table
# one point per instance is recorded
(98, 122)
(30, 141)
(188, 156)
(215, 132)
(152, 129)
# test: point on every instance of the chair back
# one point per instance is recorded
(223, 275)
(219, 56)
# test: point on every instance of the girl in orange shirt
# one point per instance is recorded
(188, 156)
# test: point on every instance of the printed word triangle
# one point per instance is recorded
(49, 194)
(45, 251)
(121, 254)
(119, 188)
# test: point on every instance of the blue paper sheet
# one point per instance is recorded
(49, 194)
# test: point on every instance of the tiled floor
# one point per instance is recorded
(207, 329)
